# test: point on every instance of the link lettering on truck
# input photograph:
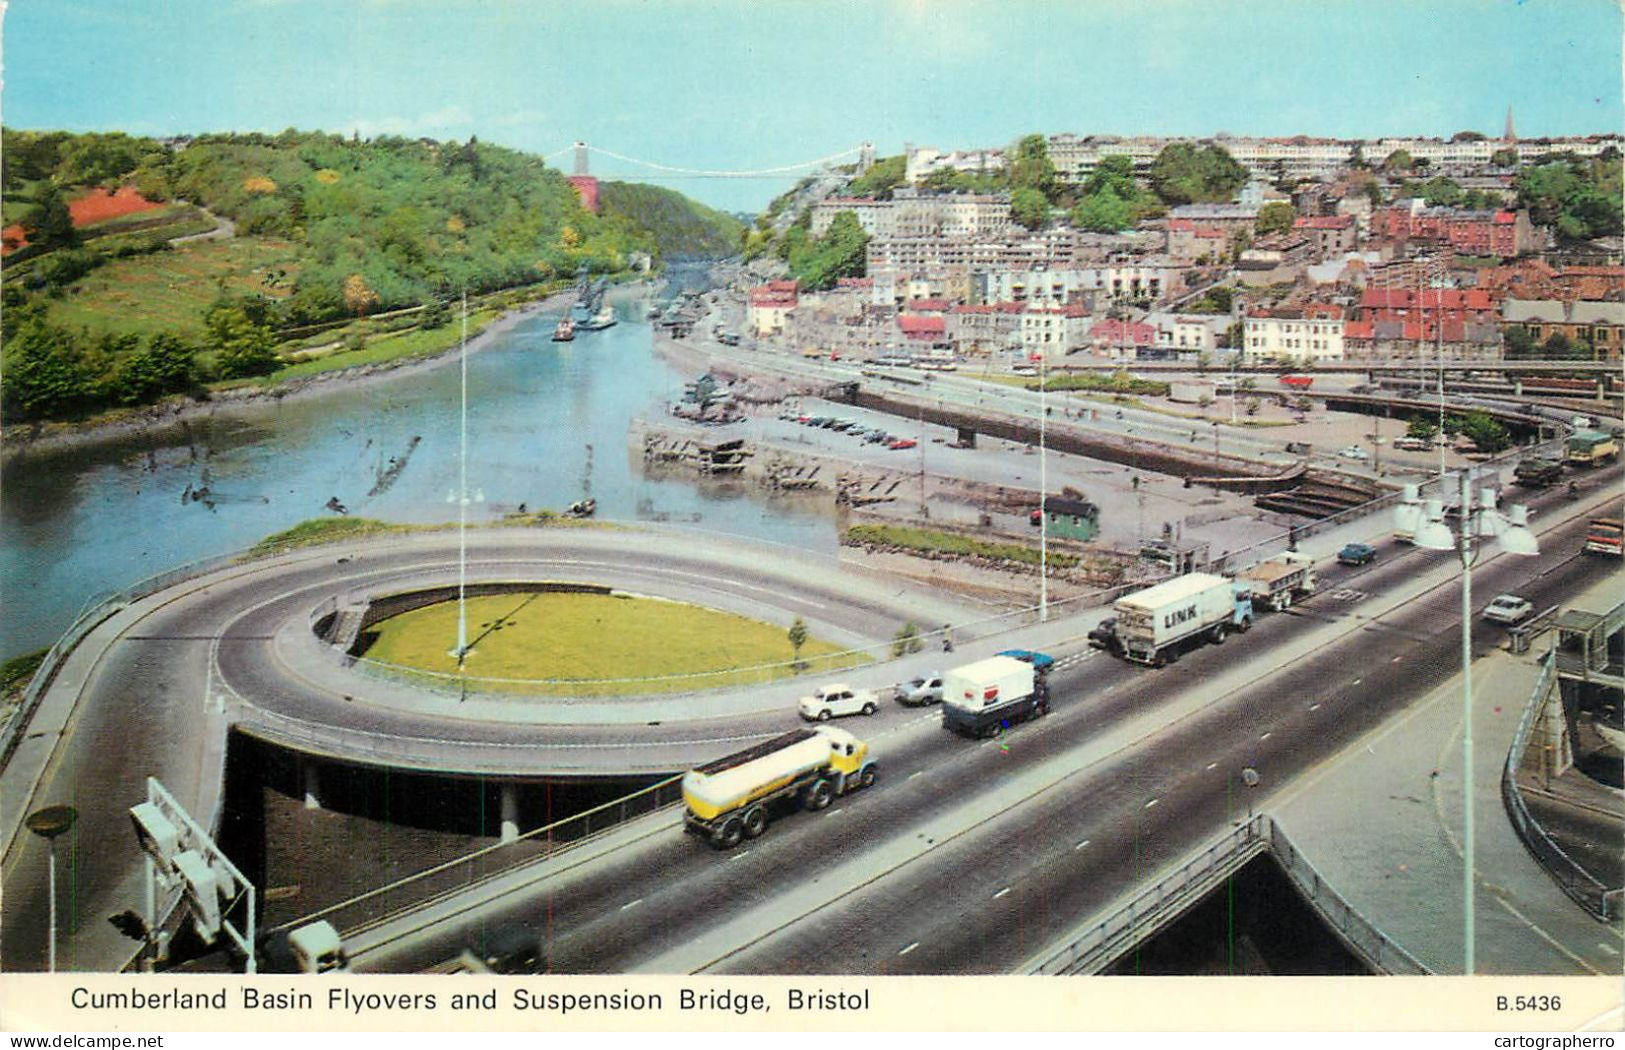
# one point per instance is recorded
(1179, 616)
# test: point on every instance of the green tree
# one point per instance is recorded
(48, 223)
(165, 365)
(1184, 174)
(882, 177)
(1485, 432)
(241, 346)
(1031, 168)
(798, 638)
(1442, 190)
(841, 252)
(1422, 428)
(1506, 157)
(1520, 343)
(45, 371)
(1399, 160)
(1028, 207)
(906, 640)
(1275, 217)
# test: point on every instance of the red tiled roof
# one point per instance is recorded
(783, 286)
(1357, 330)
(919, 327)
(1325, 222)
(924, 305)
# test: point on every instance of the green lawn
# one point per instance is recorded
(600, 645)
(168, 291)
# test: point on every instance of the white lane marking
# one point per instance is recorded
(1314, 707)
(1001, 893)
(916, 773)
(1211, 766)
(837, 812)
(1148, 805)
(1080, 845)
(741, 853)
(632, 904)
(910, 948)
(1266, 736)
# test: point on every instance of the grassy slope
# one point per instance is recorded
(583, 638)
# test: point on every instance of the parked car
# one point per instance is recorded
(831, 701)
(1352, 452)
(1508, 609)
(1040, 661)
(925, 689)
(1356, 554)
(875, 437)
(896, 443)
(1412, 444)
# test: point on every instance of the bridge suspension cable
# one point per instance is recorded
(714, 174)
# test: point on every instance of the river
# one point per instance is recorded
(547, 425)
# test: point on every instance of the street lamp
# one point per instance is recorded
(1043, 488)
(50, 823)
(1512, 529)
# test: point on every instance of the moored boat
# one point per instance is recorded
(564, 331)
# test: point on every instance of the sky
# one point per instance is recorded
(734, 85)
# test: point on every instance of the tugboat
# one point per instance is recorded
(565, 330)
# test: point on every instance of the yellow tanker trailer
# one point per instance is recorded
(734, 797)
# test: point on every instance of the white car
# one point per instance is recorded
(1352, 452)
(832, 701)
(1508, 609)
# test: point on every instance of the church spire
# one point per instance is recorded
(1511, 133)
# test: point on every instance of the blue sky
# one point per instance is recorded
(719, 84)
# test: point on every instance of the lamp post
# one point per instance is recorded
(1481, 519)
(1043, 488)
(50, 823)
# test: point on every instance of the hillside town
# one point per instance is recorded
(1300, 251)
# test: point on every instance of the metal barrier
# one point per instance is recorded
(1520, 636)
(1104, 941)
(1581, 886)
(432, 885)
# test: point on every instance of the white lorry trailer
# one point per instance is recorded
(1277, 583)
(734, 797)
(1155, 625)
(981, 698)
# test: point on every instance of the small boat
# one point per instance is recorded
(584, 508)
(564, 331)
(604, 318)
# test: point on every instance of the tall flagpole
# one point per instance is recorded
(462, 503)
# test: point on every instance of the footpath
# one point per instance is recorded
(1383, 824)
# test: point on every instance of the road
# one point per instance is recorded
(971, 858)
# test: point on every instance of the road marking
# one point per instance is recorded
(1266, 736)
(1148, 805)
(1080, 845)
(1001, 893)
(633, 904)
(837, 812)
(1609, 948)
(1395, 660)
(1211, 766)
(1314, 707)
(916, 773)
(910, 948)
(741, 853)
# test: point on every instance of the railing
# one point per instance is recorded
(1102, 942)
(1581, 886)
(376, 907)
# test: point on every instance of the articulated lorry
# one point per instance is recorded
(1157, 624)
(982, 698)
(1605, 536)
(1587, 448)
(1277, 583)
(734, 797)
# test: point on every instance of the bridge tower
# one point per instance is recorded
(585, 184)
(866, 157)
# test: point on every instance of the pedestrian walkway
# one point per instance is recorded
(1383, 823)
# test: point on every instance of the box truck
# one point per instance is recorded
(982, 698)
(1155, 625)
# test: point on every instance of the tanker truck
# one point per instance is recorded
(981, 698)
(1277, 583)
(1155, 625)
(734, 797)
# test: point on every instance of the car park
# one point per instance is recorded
(1352, 452)
(1508, 609)
(921, 690)
(899, 443)
(1356, 554)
